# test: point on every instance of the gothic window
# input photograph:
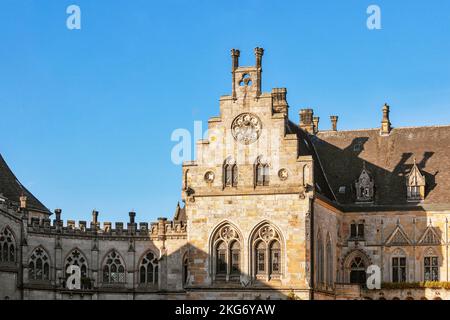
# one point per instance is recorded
(357, 271)
(364, 186)
(226, 249)
(261, 258)
(398, 267)
(230, 173)
(357, 230)
(329, 260)
(76, 258)
(235, 255)
(431, 266)
(7, 247)
(39, 265)
(148, 269)
(320, 259)
(261, 172)
(266, 252)
(185, 269)
(415, 184)
(275, 257)
(113, 269)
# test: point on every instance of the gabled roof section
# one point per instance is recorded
(180, 214)
(398, 237)
(12, 189)
(430, 237)
(389, 158)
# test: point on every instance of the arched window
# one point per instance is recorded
(76, 258)
(7, 247)
(358, 271)
(261, 172)
(320, 259)
(266, 253)
(230, 173)
(113, 269)
(398, 263)
(148, 270)
(39, 265)
(329, 261)
(430, 266)
(185, 269)
(226, 248)
(275, 257)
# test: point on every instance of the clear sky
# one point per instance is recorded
(87, 115)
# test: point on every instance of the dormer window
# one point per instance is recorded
(364, 186)
(415, 184)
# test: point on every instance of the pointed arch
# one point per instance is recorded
(267, 251)
(320, 270)
(113, 268)
(8, 246)
(329, 261)
(355, 264)
(226, 251)
(149, 269)
(185, 263)
(261, 172)
(39, 265)
(230, 172)
(78, 258)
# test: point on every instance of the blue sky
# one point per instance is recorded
(87, 114)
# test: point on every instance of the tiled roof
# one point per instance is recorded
(12, 189)
(389, 159)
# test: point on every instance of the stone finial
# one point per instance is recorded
(259, 52)
(316, 124)
(334, 121)
(235, 53)
(23, 202)
(385, 123)
(306, 120)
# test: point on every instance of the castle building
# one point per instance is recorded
(273, 209)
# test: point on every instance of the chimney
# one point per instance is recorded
(58, 214)
(306, 120)
(23, 202)
(234, 65)
(334, 120)
(94, 223)
(316, 124)
(132, 215)
(385, 123)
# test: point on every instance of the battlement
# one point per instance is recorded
(160, 229)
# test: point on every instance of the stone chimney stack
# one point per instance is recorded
(23, 202)
(316, 124)
(132, 215)
(234, 65)
(385, 123)
(334, 120)
(259, 52)
(58, 214)
(306, 120)
(94, 223)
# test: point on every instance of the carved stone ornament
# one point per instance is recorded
(246, 128)
(283, 174)
(209, 177)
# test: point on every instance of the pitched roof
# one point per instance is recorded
(389, 159)
(12, 189)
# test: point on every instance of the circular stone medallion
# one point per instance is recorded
(246, 128)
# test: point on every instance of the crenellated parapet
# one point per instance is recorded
(161, 230)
